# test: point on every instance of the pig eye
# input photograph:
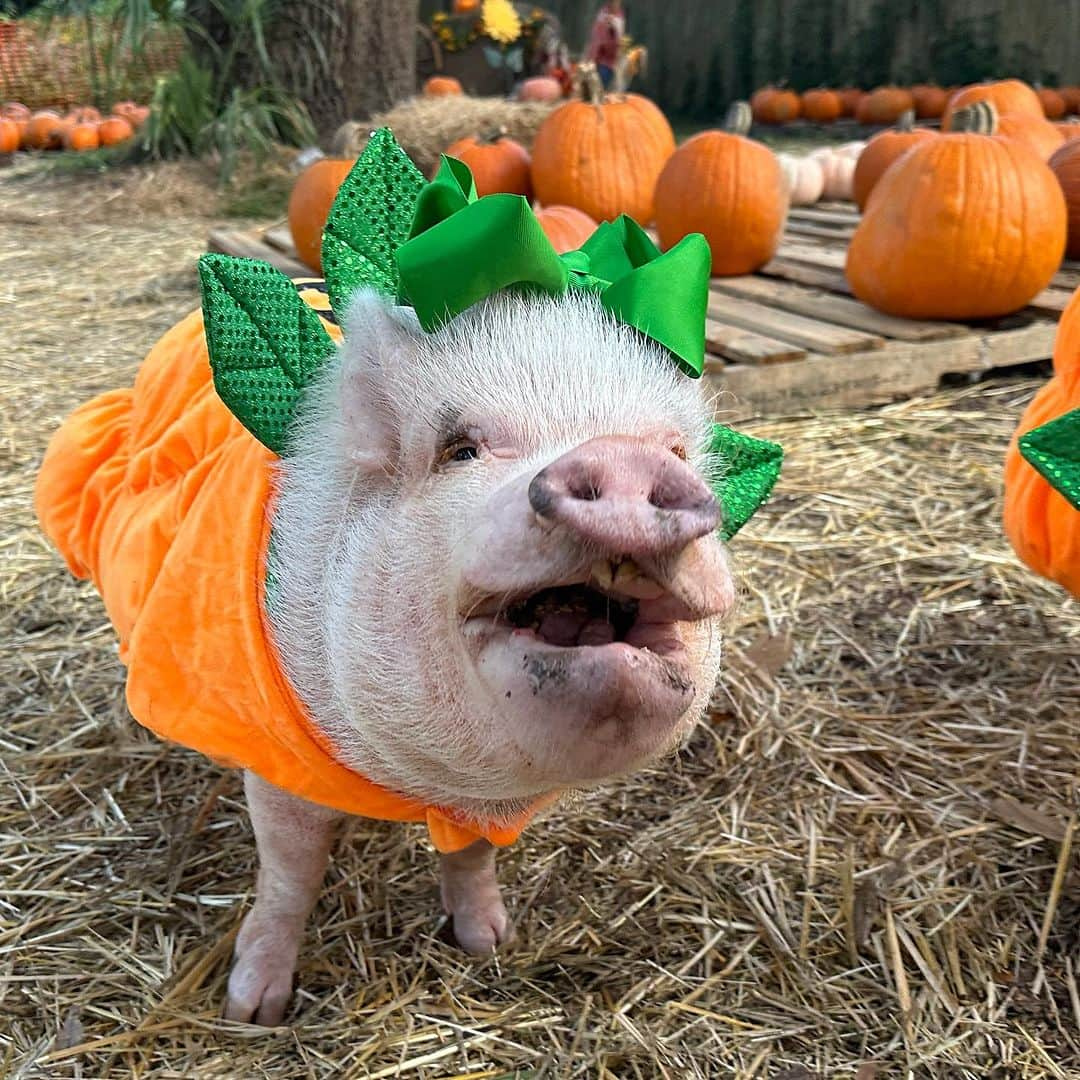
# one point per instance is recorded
(459, 450)
(679, 451)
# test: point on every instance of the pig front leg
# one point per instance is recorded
(293, 838)
(470, 895)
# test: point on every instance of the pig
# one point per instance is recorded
(499, 579)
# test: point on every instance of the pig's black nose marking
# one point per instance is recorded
(541, 493)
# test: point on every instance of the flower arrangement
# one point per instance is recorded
(498, 21)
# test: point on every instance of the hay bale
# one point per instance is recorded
(425, 127)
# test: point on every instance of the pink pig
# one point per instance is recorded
(499, 577)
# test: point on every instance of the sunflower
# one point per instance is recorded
(500, 21)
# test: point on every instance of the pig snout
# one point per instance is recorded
(626, 496)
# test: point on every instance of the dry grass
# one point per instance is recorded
(858, 868)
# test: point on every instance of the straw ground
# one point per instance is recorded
(860, 866)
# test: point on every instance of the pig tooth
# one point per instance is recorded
(601, 570)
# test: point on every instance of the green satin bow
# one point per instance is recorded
(1054, 450)
(462, 249)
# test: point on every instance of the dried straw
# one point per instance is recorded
(855, 869)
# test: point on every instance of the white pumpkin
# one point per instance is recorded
(852, 150)
(804, 178)
(839, 178)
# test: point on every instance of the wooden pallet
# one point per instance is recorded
(792, 338)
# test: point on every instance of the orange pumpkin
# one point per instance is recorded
(540, 88)
(565, 226)
(442, 86)
(1070, 129)
(1042, 527)
(729, 188)
(1008, 96)
(881, 151)
(123, 108)
(885, 105)
(463, 7)
(934, 244)
(9, 136)
(83, 137)
(1039, 135)
(583, 151)
(772, 105)
(1065, 165)
(114, 130)
(930, 101)
(138, 116)
(1053, 104)
(87, 114)
(821, 106)
(45, 131)
(496, 162)
(309, 206)
(1071, 96)
(849, 97)
(14, 110)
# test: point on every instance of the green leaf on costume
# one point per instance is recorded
(369, 221)
(750, 470)
(1054, 450)
(265, 344)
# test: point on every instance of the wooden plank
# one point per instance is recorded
(1051, 301)
(836, 309)
(1068, 277)
(833, 256)
(741, 345)
(817, 215)
(902, 369)
(820, 277)
(817, 232)
(250, 244)
(280, 236)
(809, 333)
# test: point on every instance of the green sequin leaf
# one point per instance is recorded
(750, 469)
(1054, 450)
(370, 219)
(265, 343)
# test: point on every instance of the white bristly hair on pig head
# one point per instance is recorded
(367, 531)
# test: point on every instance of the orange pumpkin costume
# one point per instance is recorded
(160, 496)
(1042, 527)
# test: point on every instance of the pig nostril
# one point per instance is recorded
(585, 490)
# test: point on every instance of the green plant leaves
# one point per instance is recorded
(750, 468)
(369, 221)
(265, 343)
(1054, 450)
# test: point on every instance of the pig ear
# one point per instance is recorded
(380, 342)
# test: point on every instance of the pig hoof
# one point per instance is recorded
(261, 981)
(481, 929)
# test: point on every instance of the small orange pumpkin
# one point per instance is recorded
(881, 151)
(1042, 527)
(496, 162)
(930, 101)
(772, 105)
(114, 130)
(464, 7)
(138, 116)
(442, 86)
(582, 151)
(9, 136)
(565, 226)
(83, 137)
(45, 131)
(849, 97)
(1071, 96)
(309, 206)
(123, 108)
(885, 105)
(729, 188)
(1008, 96)
(1053, 103)
(934, 245)
(86, 114)
(1070, 129)
(821, 106)
(14, 110)
(540, 88)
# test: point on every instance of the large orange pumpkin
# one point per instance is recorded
(930, 101)
(45, 131)
(83, 137)
(771, 105)
(114, 130)
(1053, 103)
(496, 162)
(1042, 527)
(965, 226)
(442, 86)
(821, 106)
(1065, 164)
(885, 105)
(1039, 135)
(729, 188)
(881, 151)
(1008, 96)
(566, 227)
(602, 154)
(309, 206)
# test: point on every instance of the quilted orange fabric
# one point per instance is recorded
(160, 496)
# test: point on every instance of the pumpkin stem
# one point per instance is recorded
(739, 118)
(977, 119)
(587, 84)
(906, 121)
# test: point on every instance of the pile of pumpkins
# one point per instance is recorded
(535, 88)
(966, 224)
(79, 129)
(883, 105)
